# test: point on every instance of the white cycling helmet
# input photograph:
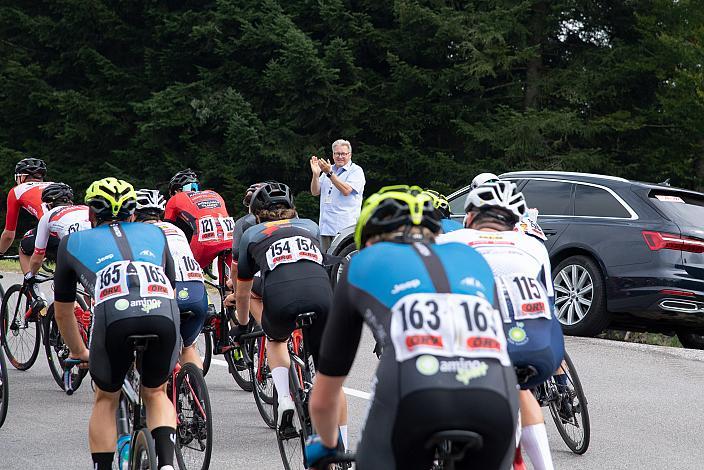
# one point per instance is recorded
(483, 178)
(500, 194)
(150, 200)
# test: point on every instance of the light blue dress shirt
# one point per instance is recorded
(338, 211)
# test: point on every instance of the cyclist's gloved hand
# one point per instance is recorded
(29, 278)
(237, 331)
(316, 450)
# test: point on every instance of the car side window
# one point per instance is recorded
(457, 204)
(597, 202)
(549, 197)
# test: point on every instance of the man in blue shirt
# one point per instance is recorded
(340, 187)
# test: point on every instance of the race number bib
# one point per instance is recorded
(228, 227)
(528, 297)
(447, 325)
(292, 249)
(153, 281)
(111, 282)
(207, 229)
(189, 268)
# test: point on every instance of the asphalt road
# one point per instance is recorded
(645, 404)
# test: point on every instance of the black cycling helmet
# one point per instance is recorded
(249, 193)
(34, 167)
(57, 193)
(270, 194)
(182, 178)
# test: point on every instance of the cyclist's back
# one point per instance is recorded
(202, 215)
(445, 365)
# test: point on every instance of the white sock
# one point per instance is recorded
(280, 376)
(166, 467)
(343, 432)
(535, 442)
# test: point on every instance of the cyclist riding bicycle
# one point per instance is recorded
(27, 195)
(521, 266)
(202, 215)
(241, 225)
(61, 218)
(444, 364)
(443, 207)
(190, 290)
(129, 269)
(287, 251)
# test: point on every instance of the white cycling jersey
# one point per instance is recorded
(59, 222)
(187, 269)
(521, 266)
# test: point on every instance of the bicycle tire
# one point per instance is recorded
(14, 328)
(263, 383)
(204, 345)
(195, 421)
(57, 351)
(143, 451)
(4, 389)
(581, 446)
(238, 368)
(292, 448)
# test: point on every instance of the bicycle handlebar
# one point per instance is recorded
(12, 257)
(69, 364)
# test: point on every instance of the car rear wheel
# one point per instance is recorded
(346, 253)
(580, 297)
(691, 340)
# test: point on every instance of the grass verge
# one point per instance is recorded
(643, 338)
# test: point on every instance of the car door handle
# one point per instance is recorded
(549, 232)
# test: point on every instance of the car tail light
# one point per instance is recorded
(682, 293)
(669, 241)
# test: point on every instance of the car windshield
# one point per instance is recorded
(685, 209)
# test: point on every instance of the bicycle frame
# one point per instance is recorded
(174, 392)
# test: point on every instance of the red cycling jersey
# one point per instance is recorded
(205, 214)
(27, 196)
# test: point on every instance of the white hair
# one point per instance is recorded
(342, 142)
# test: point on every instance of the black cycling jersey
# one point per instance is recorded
(241, 226)
(432, 307)
(269, 245)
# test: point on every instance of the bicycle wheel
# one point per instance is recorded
(204, 345)
(4, 389)
(237, 365)
(21, 336)
(143, 451)
(574, 428)
(57, 351)
(292, 444)
(263, 389)
(194, 436)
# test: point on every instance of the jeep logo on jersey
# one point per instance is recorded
(412, 284)
(472, 282)
(105, 258)
(427, 364)
(147, 253)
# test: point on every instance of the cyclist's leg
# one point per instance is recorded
(191, 296)
(110, 358)
(26, 249)
(158, 362)
(534, 437)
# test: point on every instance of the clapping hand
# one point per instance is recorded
(314, 167)
(324, 165)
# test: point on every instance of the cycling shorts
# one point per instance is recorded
(27, 244)
(257, 286)
(293, 289)
(538, 343)
(111, 355)
(205, 253)
(395, 437)
(191, 296)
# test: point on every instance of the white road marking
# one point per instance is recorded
(349, 391)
